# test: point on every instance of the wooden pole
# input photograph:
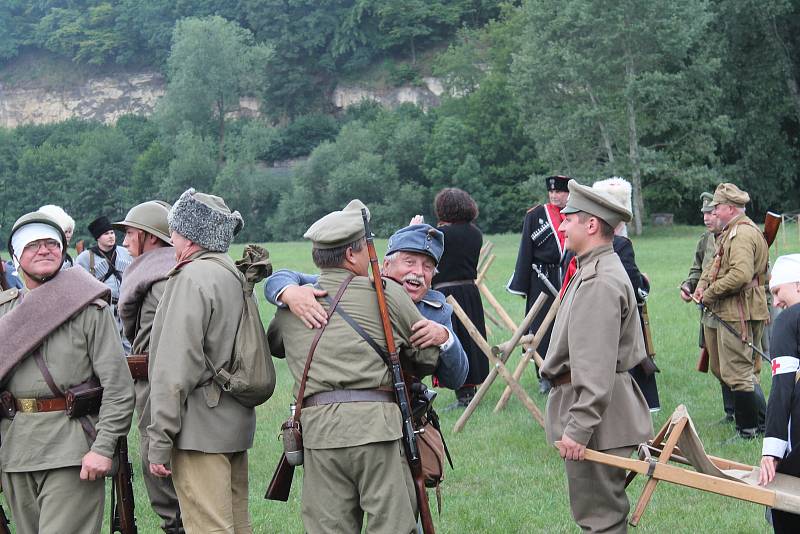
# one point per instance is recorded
(523, 363)
(688, 478)
(497, 369)
(497, 307)
(484, 269)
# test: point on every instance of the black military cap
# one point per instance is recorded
(99, 226)
(557, 183)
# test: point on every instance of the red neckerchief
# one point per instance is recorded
(555, 217)
(572, 268)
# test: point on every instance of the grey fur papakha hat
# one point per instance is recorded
(205, 220)
(338, 228)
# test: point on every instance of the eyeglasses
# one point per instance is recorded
(50, 244)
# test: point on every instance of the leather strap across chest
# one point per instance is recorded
(302, 389)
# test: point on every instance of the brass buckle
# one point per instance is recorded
(27, 406)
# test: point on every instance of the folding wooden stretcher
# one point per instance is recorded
(678, 442)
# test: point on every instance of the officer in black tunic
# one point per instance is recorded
(542, 249)
(781, 449)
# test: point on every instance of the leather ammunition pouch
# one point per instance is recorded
(8, 405)
(137, 365)
(84, 399)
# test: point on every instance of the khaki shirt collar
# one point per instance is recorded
(595, 253)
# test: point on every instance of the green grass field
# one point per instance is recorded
(507, 479)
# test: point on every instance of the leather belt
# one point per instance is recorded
(454, 283)
(47, 404)
(137, 365)
(348, 395)
(562, 379)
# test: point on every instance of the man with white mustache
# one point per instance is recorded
(411, 258)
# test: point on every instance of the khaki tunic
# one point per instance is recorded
(703, 259)
(350, 444)
(598, 338)
(198, 316)
(743, 256)
(86, 344)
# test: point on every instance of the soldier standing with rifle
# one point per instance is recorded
(147, 239)
(733, 289)
(539, 260)
(67, 396)
(703, 258)
(355, 462)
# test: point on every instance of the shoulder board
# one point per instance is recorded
(100, 303)
(9, 295)
(785, 364)
(533, 208)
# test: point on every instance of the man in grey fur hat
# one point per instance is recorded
(199, 431)
(147, 239)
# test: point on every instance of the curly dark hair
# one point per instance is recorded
(455, 205)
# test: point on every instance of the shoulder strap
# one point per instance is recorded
(91, 262)
(301, 391)
(363, 333)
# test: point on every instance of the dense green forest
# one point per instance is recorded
(676, 96)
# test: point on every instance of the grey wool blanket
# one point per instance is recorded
(140, 275)
(43, 310)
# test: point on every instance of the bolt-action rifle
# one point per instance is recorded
(400, 390)
(122, 518)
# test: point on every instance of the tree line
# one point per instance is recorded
(675, 96)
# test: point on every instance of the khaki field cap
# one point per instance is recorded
(727, 193)
(597, 203)
(150, 216)
(338, 228)
(706, 198)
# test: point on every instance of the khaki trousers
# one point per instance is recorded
(342, 485)
(54, 500)
(212, 490)
(597, 495)
(160, 491)
(731, 361)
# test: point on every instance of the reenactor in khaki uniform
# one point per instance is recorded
(201, 431)
(597, 338)
(733, 288)
(354, 458)
(147, 239)
(703, 258)
(58, 333)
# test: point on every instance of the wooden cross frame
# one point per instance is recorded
(503, 319)
(530, 343)
(497, 360)
(653, 462)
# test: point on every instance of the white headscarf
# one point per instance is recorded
(785, 271)
(30, 233)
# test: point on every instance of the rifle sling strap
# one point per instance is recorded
(302, 389)
(363, 333)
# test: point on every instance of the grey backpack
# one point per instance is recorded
(250, 375)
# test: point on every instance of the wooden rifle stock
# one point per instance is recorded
(772, 222)
(400, 389)
(122, 504)
(4, 522)
(281, 483)
(702, 362)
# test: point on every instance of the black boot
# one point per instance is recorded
(728, 403)
(746, 414)
(761, 404)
